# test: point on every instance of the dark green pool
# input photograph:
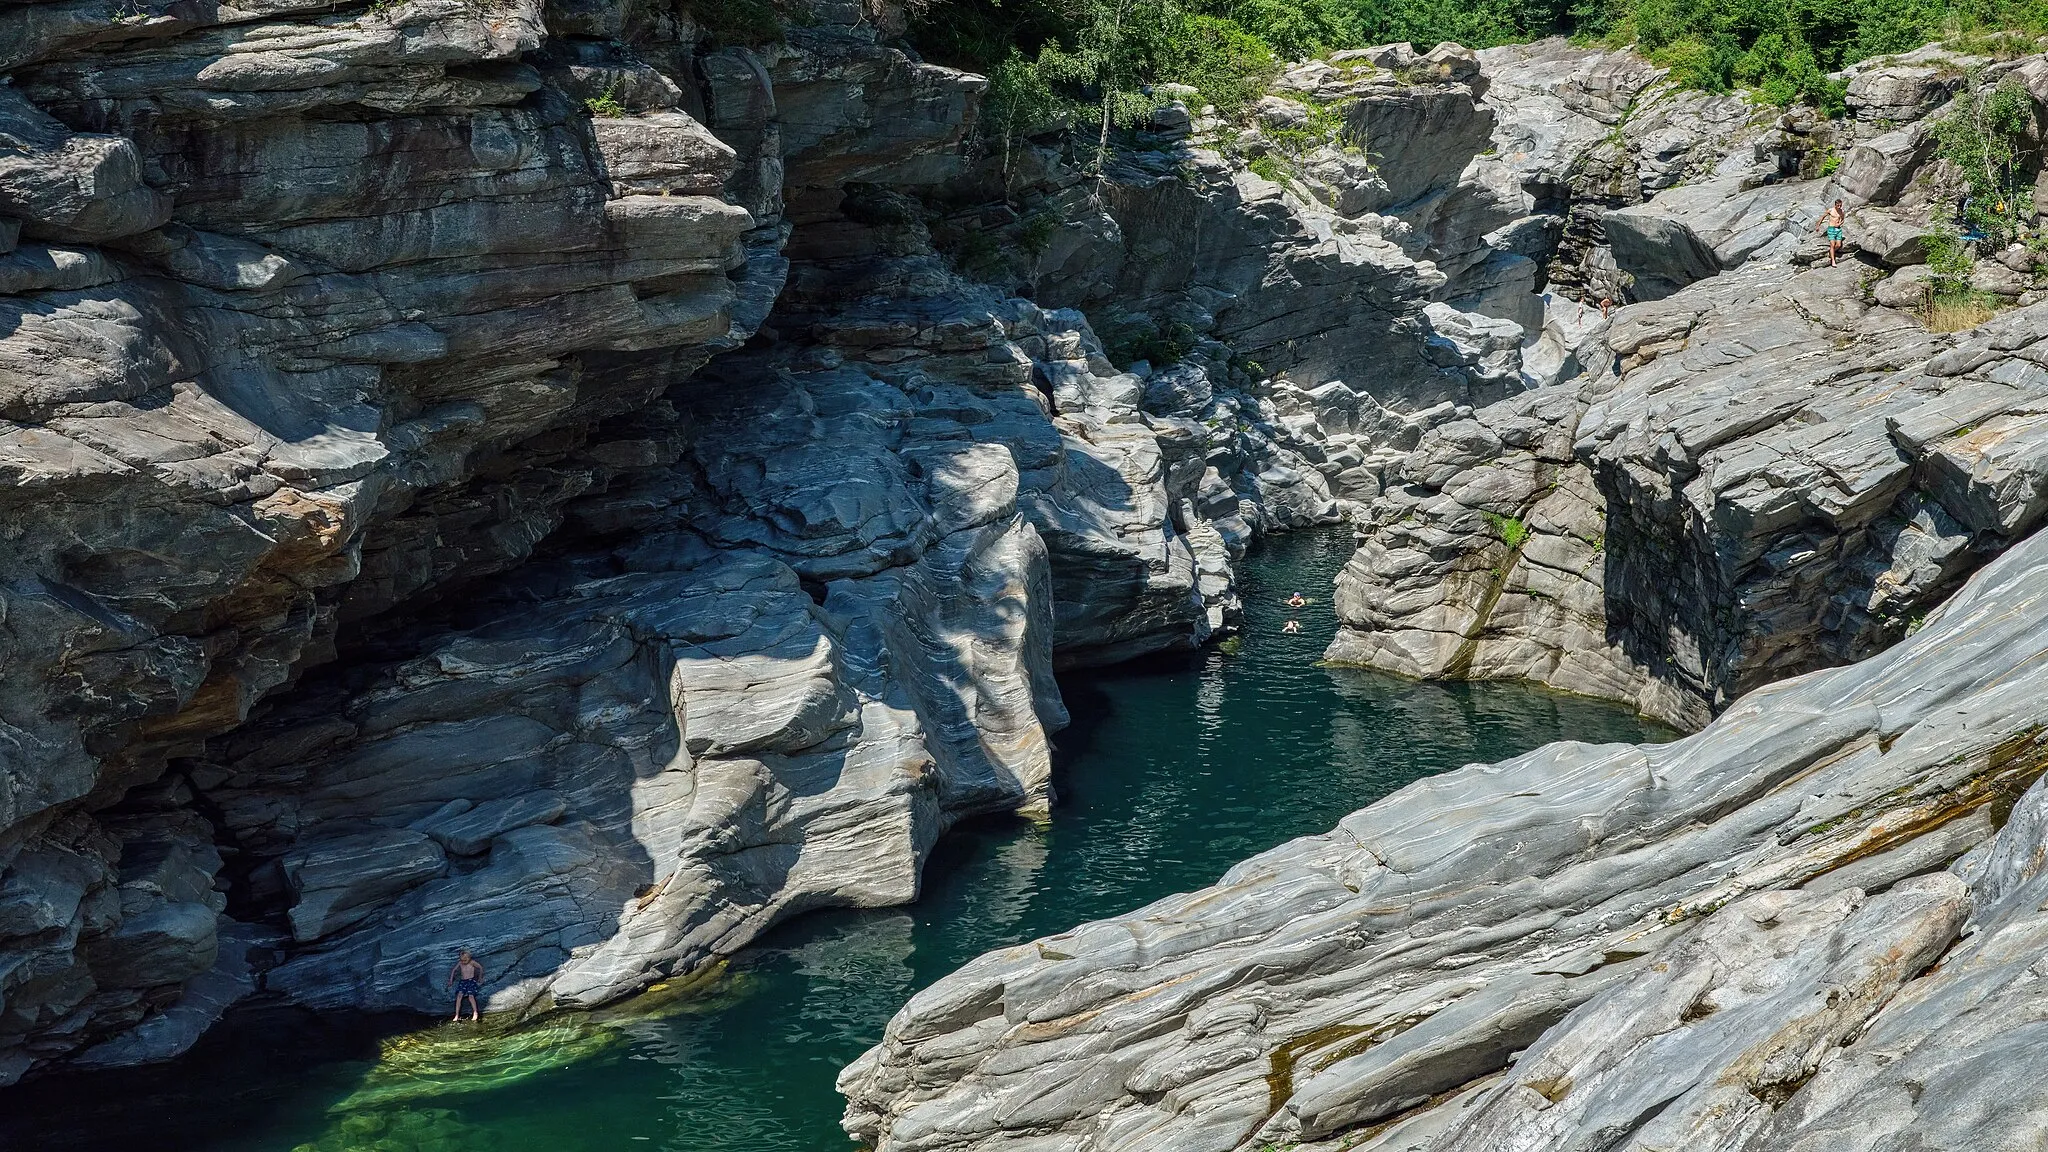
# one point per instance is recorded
(1170, 774)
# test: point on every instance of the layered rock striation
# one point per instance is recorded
(1721, 942)
(1772, 476)
(1767, 466)
(1744, 501)
(548, 478)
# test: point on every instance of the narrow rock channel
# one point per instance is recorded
(1171, 772)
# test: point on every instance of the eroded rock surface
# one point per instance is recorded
(1771, 476)
(1756, 472)
(387, 571)
(1587, 946)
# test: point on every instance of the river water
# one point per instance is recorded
(1171, 773)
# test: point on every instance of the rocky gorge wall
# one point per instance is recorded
(1753, 938)
(527, 477)
(1772, 505)
(1768, 465)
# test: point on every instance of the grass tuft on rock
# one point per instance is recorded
(1959, 313)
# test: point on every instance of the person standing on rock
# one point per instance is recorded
(467, 977)
(1831, 222)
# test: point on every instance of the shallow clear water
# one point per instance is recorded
(1170, 774)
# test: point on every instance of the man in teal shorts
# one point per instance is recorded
(1831, 223)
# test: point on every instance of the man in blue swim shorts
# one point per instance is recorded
(467, 977)
(1831, 223)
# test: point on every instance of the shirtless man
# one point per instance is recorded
(467, 977)
(1296, 600)
(1831, 223)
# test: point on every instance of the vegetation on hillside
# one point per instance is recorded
(1095, 63)
(1983, 138)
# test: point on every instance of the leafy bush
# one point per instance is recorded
(1142, 338)
(1512, 532)
(606, 105)
(738, 23)
(1984, 136)
(1106, 54)
(1952, 304)
(1268, 168)
(1020, 103)
(1229, 66)
(977, 256)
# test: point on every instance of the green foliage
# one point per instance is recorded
(1035, 232)
(1269, 168)
(1229, 66)
(1298, 29)
(1984, 136)
(1782, 50)
(978, 257)
(1512, 531)
(1949, 261)
(1104, 55)
(738, 23)
(1142, 338)
(606, 104)
(1021, 103)
(1952, 305)
(1100, 63)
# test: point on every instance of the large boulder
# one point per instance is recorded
(1696, 231)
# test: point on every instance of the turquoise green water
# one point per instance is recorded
(1171, 773)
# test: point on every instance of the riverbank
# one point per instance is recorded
(1172, 771)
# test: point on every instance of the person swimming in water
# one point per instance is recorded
(1291, 626)
(1296, 600)
(467, 977)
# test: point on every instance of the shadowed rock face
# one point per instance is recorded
(312, 314)
(307, 314)
(1661, 946)
(387, 572)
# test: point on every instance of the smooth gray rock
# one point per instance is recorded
(466, 830)
(335, 879)
(1772, 482)
(1620, 928)
(317, 325)
(1700, 230)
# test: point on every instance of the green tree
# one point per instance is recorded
(1020, 102)
(1119, 46)
(1985, 136)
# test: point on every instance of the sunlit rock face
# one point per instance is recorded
(1757, 497)
(387, 573)
(1764, 465)
(1771, 476)
(1721, 942)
